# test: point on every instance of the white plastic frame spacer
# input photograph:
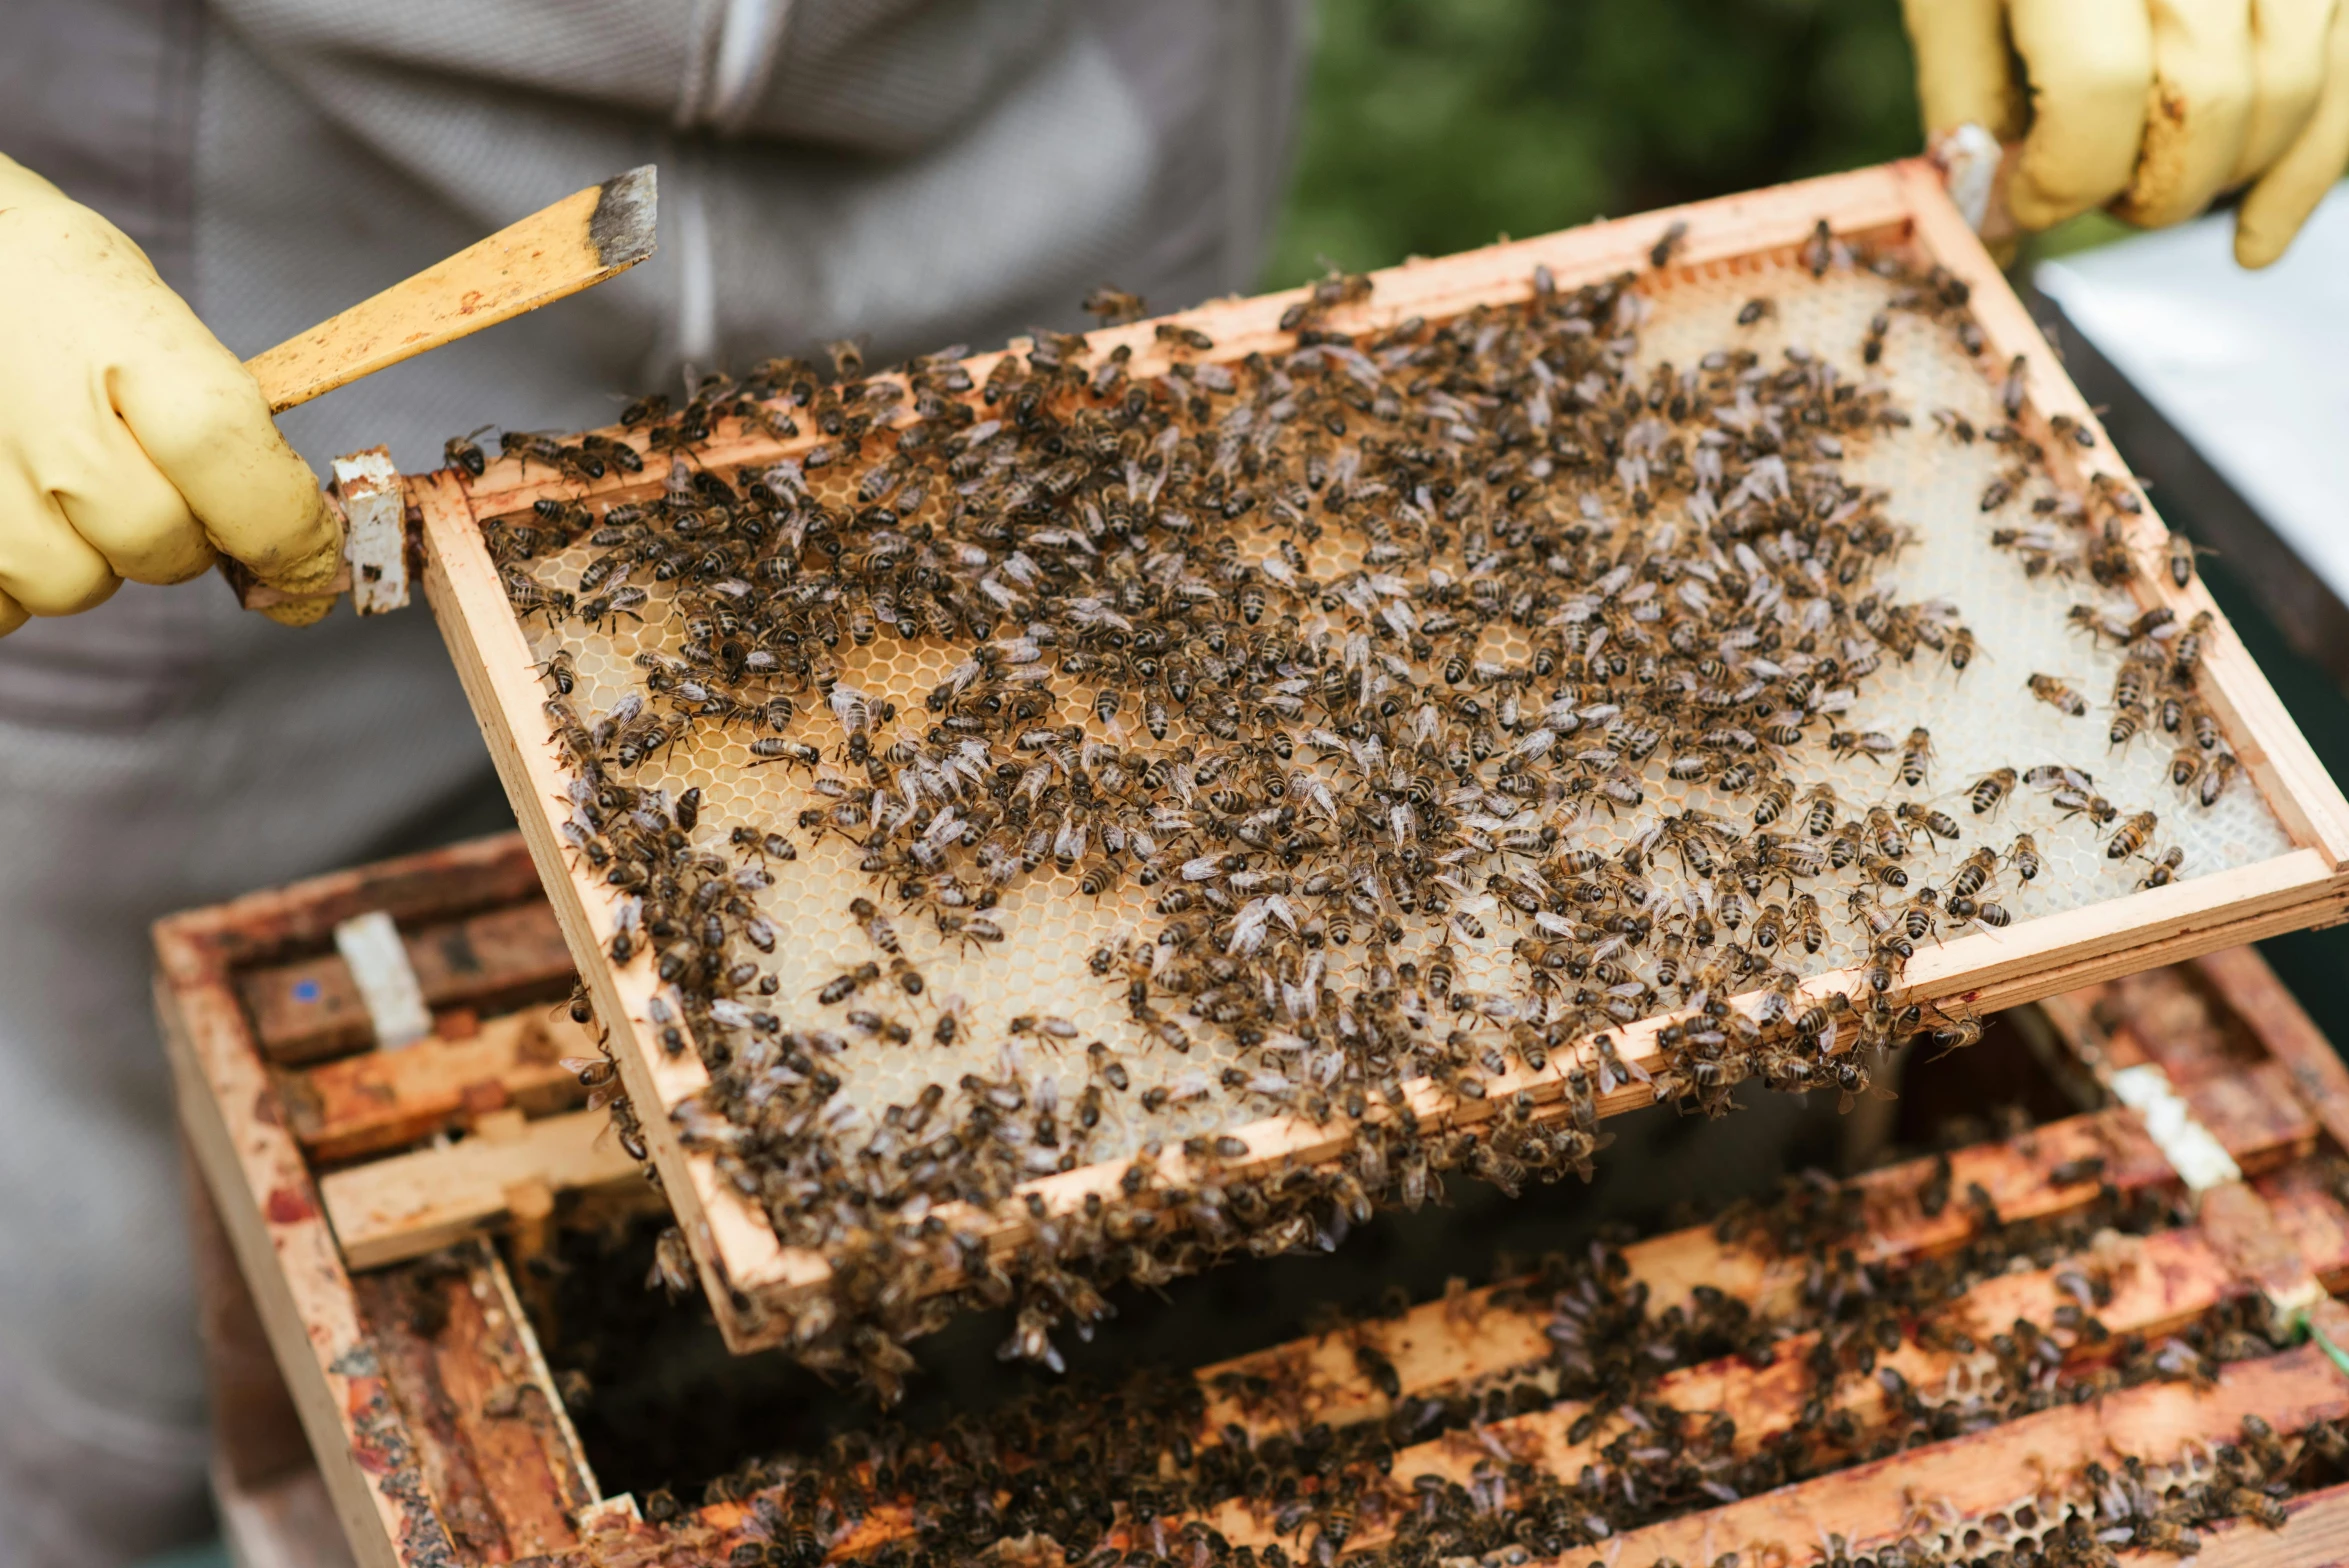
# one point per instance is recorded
(378, 959)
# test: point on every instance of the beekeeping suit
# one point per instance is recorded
(902, 171)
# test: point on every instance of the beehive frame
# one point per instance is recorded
(431, 1466)
(746, 1269)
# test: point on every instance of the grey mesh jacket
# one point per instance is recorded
(906, 171)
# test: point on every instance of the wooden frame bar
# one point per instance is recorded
(309, 1008)
(2315, 1535)
(2174, 1276)
(2037, 1456)
(2259, 1001)
(2166, 1280)
(503, 1459)
(1493, 1330)
(406, 1205)
(746, 1269)
(257, 1183)
(378, 1100)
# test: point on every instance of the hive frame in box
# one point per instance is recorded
(745, 1267)
(420, 1486)
(253, 1147)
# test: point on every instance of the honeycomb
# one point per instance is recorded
(1047, 1006)
(1985, 718)
(1980, 720)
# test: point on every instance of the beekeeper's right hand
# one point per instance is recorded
(132, 443)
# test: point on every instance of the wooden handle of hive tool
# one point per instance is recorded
(577, 243)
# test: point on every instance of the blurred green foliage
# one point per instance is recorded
(1434, 125)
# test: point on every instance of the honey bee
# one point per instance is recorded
(1924, 819)
(616, 454)
(2216, 776)
(2107, 556)
(2114, 491)
(1820, 804)
(1872, 342)
(1115, 307)
(2057, 695)
(1818, 251)
(1885, 835)
(1919, 916)
(1809, 929)
(2178, 553)
(527, 444)
(1758, 309)
(2066, 428)
(841, 987)
(1961, 651)
(1990, 791)
(1916, 757)
(672, 1265)
(2075, 802)
(1183, 337)
(643, 411)
(1867, 743)
(1971, 876)
(876, 925)
(2058, 775)
(1964, 909)
(2186, 652)
(2024, 857)
(560, 671)
(1956, 1033)
(1614, 1070)
(529, 597)
(773, 748)
(2096, 623)
(1668, 245)
(464, 452)
(2165, 868)
(2131, 837)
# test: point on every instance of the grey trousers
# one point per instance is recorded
(165, 751)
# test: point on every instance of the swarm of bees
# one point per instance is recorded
(1330, 659)
(1237, 1469)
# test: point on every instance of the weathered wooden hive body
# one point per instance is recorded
(2116, 1286)
(1008, 856)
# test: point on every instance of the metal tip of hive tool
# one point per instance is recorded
(621, 227)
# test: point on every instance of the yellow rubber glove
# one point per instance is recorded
(132, 443)
(2149, 107)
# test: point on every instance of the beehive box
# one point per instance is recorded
(433, 1426)
(2267, 855)
(2099, 1242)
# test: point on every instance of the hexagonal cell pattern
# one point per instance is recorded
(1980, 720)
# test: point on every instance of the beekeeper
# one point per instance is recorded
(189, 174)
